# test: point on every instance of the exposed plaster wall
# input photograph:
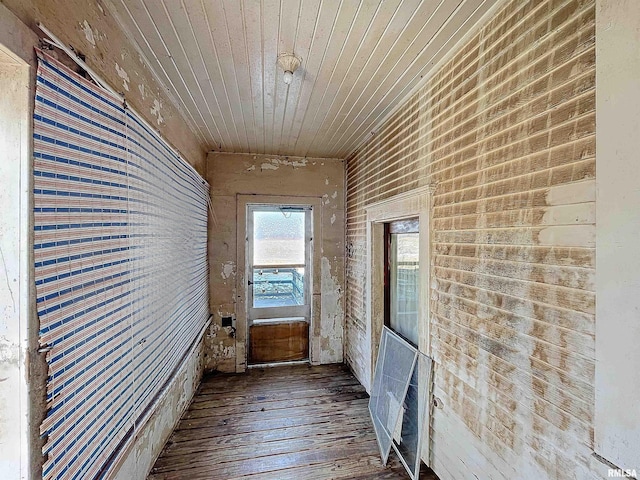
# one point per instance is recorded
(233, 174)
(90, 28)
(150, 439)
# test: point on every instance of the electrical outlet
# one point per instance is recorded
(227, 321)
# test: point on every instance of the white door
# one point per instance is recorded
(279, 242)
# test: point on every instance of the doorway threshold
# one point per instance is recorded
(263, 321)
(279, 364)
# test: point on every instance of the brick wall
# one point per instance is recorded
(506, 128)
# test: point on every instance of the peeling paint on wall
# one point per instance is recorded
(269, 166)
(228, 269)
(331, 324)
(155, 111)
(220, 350)
(93, 30)
(213, 330)
(124, 76)
(220, 346)
(88, 33)
(275, 163)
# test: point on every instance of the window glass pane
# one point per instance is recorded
(278, 258)
(396, 360)
(278, 238)
(278, 287)
(403, 291)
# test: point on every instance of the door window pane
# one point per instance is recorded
(278, 238)
(278, 258)
(403, 284)
(278, 287)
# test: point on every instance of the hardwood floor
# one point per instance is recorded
(295, 422)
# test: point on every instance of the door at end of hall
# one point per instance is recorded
(279, 244)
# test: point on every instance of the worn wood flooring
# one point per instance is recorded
(294, 422)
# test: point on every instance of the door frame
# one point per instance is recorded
(23, 366)
(242, 337)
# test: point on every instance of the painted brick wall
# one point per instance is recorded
(506, 128)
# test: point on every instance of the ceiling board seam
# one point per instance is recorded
(284, 111)
(235, 76)
(217, 57)
(286, 99)
(432, 71)
(324, 54)
(206, 69)
(270, 24)
(333, 71)
(381, 100)
(195, 79)
(290, 14)
(294, 114)
(270, 122)
(246, 50)
(275, 83)
(179, 106)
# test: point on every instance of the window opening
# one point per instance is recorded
(402, 278)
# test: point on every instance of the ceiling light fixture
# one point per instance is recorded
(289, 63)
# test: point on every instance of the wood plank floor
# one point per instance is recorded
(294, 422)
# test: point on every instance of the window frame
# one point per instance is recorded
(411, 204)
(395, 227)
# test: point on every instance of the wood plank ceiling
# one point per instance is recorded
(359, 59)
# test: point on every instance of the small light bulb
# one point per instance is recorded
(288, 77)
